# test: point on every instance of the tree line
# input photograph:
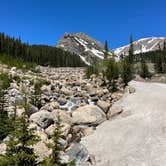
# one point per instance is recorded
(38, 54)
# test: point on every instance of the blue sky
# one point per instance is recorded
(45, 21)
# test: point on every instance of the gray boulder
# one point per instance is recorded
(88, 114)
(32, 109)
(77, 152)
(42, 118)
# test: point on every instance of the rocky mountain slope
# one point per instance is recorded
(142, 46)
(81, 44)
(90, 50)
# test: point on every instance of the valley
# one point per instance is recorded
(83, 83)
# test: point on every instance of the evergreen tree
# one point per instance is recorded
(126, 71)
(159, 47)
(144, 70)
(57, 147)
(131, 51)
(159, 64)
(19, 151)
(92, 69)
(3, 118)
(164, 46)
(36, 96)
(5, 122)
(112, 73)
(106, 50)
(164, 56)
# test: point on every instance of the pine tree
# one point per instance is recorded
(164, 46)
(92, 69)
(159, 48)
(106, 50)
(159, 64)
(126, 71)
(3, 118)
(5, 123)
(56, 147)
(144, 70)
(112, 73)
(131, 51)
(164, 56)
(19, 151)
(37, 93)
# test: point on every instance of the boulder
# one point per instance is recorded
(34, 126)
(19, 100)
(23, 88)
(19, 111)
(87, 131)
(2, 148)
(88, 115)
(131, 89)
(32, 109)
(66, 91)
(41, 150)
(46, 89)
(42, 118)
(104, 105)
(65, 129)
(64, 116)
(50, 106)
(14, 85)
(76, 152)
(117, 95)
(114, 110)
(42, 136)
(14, 92)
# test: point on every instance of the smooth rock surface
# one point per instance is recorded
(88, 114)
(137, 136)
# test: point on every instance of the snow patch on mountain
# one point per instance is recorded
(142, 46)
(97, 53)
(84, 60)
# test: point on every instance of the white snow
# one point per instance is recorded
(82, 43)
(62, 45)
(83, 58)
(154, 45)
(97, 53)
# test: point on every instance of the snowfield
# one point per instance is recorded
(137, 137)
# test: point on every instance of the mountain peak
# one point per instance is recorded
(83, 45)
